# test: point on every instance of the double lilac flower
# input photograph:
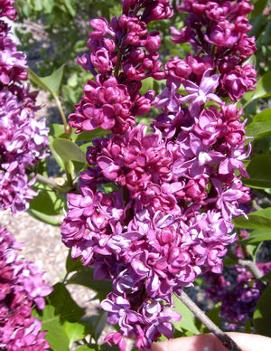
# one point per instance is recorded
(218, 31)
(22, 289)
(156, 204)
(23, 138)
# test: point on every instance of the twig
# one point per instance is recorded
(258, 274)
(213, 328)
(256, 206)
(67, 128)
(47, 181)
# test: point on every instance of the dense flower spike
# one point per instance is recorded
(22, 288)
(23, 139)
(218, 30)
(155, 207)
(122, 54)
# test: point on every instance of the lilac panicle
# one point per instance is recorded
(23, 138)
(218, 31)
(156, 204)
(22, 289)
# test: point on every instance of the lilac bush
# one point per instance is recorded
(22, 288)
(156, 204)
(23, 138)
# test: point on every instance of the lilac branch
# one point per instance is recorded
(47, 181)
(210, 325)
(252, 266)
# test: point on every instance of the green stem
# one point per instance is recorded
(65, 278)
(67, 128)
(47, 181)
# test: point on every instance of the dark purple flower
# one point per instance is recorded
(238, 292)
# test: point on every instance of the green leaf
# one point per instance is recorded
(259, 6)
(38, 5)
(48, 219)
(84, 277)
(85, 348)
(71, 264)
(64, 305)
(48, 5)
(263, 88)
(252, 249)
(262, 314)
(95, 324)
(47, 201)
(69, 7)
(57, 131)
(74, 331)
(88, 136)
(261, 125)
(267, 277)
(147, 84)
(187, 321)
(259, 170)
(56, 334)
(259, 235)
(214, 314)
(57, 158)
(50, 83)
(256, 220)
(68, 151)
(267, 35)
(100, 325)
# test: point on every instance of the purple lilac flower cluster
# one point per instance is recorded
(238, 292)
(219, 31)
(22, 288)
(23, 139)
(155, 206)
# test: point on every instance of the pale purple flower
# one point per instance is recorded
(23, 138)
(198, 95)
(23, 141)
